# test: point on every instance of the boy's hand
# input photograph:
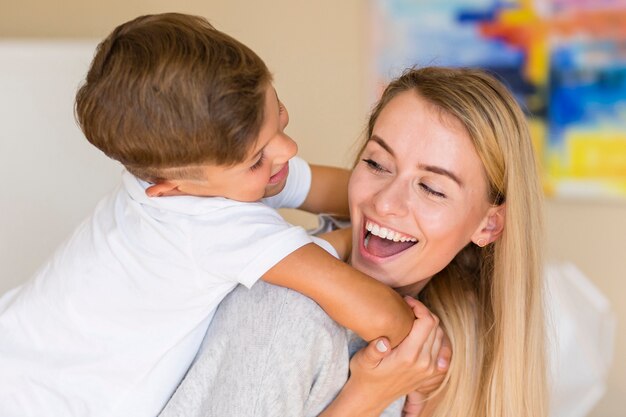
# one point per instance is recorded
(341, 240)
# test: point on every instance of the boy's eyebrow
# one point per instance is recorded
(257, 155)
(278, 102)
(431, 168)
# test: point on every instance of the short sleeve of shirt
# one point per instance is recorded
(297, 187)
(325, 245)
(246, 240)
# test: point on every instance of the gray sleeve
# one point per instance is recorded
(269, 351)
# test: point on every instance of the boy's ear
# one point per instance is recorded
(491, 226)
(164, 188)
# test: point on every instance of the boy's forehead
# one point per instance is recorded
(271, 108)
(271, 100)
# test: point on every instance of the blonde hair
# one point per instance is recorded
(489, 299)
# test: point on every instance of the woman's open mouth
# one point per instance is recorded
(384, 242)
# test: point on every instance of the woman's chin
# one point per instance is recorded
(377, 271)
(390, 276)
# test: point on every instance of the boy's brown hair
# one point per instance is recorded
(166, 93)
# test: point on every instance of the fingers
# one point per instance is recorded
(421, 330)
(437, 344)
(414, 343)
(428, 355)
(431, 384)
(445, 353)
(422, 359)
(413, 404)
(419, 309)
(370, 356)
(434, 351)
(410, 301)
(430, 320)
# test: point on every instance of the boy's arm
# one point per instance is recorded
(356, 301)
(341, 240)
(329, 191)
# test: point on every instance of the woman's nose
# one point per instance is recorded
(391, 199)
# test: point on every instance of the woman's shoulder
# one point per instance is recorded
(266, 306)
(264, 342)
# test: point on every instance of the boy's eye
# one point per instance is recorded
(430, 191)
(259, 163)
(283, 116)
(374, 166)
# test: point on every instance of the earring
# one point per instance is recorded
(481, 242)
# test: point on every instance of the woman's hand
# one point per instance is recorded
(441, 350)
(415, 367)
(414, 404)
(415, 401)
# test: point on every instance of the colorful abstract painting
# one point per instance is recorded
(565, 61)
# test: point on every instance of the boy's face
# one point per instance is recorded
(264, 171)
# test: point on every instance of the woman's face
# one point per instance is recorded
(418, 194)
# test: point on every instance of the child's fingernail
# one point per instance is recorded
(442, 363)
(381, 347)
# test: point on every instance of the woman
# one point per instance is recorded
(445, 206)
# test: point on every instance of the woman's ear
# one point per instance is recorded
(491, 226)
(163, 188)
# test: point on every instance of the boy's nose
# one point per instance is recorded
(286, 149)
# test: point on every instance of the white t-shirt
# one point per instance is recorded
(112, 321)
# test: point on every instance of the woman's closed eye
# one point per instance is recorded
(378, 168)
(430, 191)
(374, 166)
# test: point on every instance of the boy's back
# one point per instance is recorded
(112, 322)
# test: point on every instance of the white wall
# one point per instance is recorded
(51, 176)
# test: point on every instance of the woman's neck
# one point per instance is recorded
(414, 289)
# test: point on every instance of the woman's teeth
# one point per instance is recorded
(382, 242)
(388, 234)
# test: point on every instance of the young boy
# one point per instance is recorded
(111, 323)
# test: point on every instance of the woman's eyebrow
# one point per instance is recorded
(441, 171)
(382, 144)
(431, 168)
